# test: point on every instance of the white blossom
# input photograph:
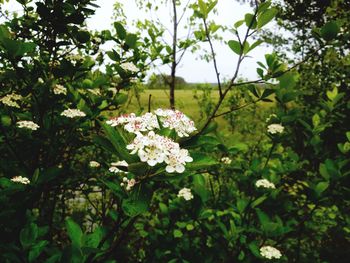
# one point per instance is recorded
(265, 184)
(59, 89)
(136, 124)
(40, 80)
(176, 160)
(185, 193)
(270, 252)
(94, 164)
(128, 183)
(275, 128)
(20, 179)
(226, 160)
(73, 113)
(11, 100)
(114, 167)
(128, 66)
(155, 149)
(174, 119)
(28, 125)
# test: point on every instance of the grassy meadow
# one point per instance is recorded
(188, 101)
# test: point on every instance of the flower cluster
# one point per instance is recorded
(275, 128)
(94, 164)
(185, 193)
(128, 66)
(59, 89)
(20, 179)
(73, 113)
(28, 125)
(153, 149)
(226, 160)
(114, 167)
(176, 120)
(11, 100)
(270, 252)
(265, 184)
(136, 124)
(128, 183)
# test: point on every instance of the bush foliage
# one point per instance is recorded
(278, 193)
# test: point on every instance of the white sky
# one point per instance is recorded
(192, 69)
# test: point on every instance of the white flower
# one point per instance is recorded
(185, 193)
(11, 100)
(115, 169)
(20, 179)
(265, 183)
(176, 160)
(128, 66)
(270, 252)
(275, 128)
(136, 124)
(59, 89)
(130, 184)
(155, 149)
(174, 119)
(94, 164)
(28, 125)
(226, 160)
(40, 80)
(73, 113)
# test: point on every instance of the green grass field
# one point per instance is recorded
(186, 102)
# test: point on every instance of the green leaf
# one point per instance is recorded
(113, 55)
(118, 142)
(36, 250)
(28, 235)
(321, 187)
(348, 135)
(332, 94)
(82, 36)
(239, 23)
(131, 40)
(267, 92)
(121, 32)
(138, 202)
(121, 98)
(74, 232)
(258, 201)
(177, 233)
(288, 80)
(252, 88)
(250, 21)
(235, 46)
(200, 161)
(203, 8)
(241, 205)
(330, 30)
(246, 47)
(200, 187)
(255, 44)
(266, 16)
(94, 239)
